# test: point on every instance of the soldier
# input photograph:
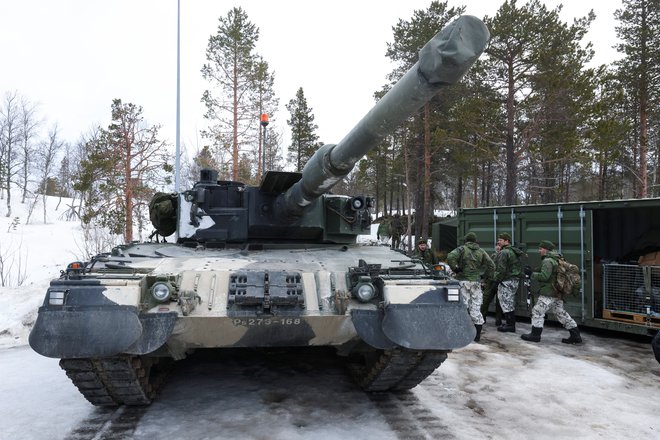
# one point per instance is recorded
(396, 229)
(383, 232)
(549, 299)
(490, 293)
(507, 277)
(470, 263)
(424, 253)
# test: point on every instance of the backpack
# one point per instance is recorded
(521, 261)
(162, 212)
(567, 279)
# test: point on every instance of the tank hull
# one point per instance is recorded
(106, 314)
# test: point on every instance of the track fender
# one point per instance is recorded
(98, 331)
(429, 322)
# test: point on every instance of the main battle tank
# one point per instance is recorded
(270, 266)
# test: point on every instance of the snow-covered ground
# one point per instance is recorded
(500, 388)
(31, 254)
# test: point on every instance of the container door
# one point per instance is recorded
(570, 230)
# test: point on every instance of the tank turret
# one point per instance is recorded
(294, 207)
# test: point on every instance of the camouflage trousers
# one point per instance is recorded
(473, 298)
(553, 305)
(506, 293)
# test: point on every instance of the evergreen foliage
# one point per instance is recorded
(639, 70)
(304, 141)
(243, 89)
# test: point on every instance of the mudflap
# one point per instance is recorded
(367, 323)
(428, 326)
(92, 331)
(415, 326)
(156, 329)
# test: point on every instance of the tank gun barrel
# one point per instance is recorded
(442, 62)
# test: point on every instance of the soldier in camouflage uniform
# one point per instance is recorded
(549, 299)
(396, 229)
(507, 276)
(490, 293)
(470, 263)
(424, 253)
(383, 232)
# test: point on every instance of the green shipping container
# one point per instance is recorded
(615, 243)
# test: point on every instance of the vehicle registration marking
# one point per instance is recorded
(266, 321)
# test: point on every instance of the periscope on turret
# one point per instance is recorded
(274, 265)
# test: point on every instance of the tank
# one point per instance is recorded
(274, 265)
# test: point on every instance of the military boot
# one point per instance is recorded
(498, 313)
(510, 324)
(478, 336)
(534, 336)
(574, 338)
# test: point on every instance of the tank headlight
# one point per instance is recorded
(161, 291)
(364, 292)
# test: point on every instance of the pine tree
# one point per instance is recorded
(528, 51)
(64, 176)
(123, 165)
(304, 141)
(231, 110)
(559, 106)
(639, 31)
(409, 37)
(605, 133)
(267, 103)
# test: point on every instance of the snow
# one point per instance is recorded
(500, 388)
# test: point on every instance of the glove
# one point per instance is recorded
(528, 271)
(457, 269)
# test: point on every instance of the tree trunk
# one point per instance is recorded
(427, 172)
(406, 165)
(234, 171)
(8, 196)
(643, 105)
(128, 198)
(459, 193)
(510, 191)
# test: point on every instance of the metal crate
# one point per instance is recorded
(631, 288)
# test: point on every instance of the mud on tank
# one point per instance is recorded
(275, 265)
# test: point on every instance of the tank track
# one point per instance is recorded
(127, 380)
(397, 369)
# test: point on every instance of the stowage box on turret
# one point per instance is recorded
(270, 266)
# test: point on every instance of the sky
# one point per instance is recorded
(501, 388)
(73, 57)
